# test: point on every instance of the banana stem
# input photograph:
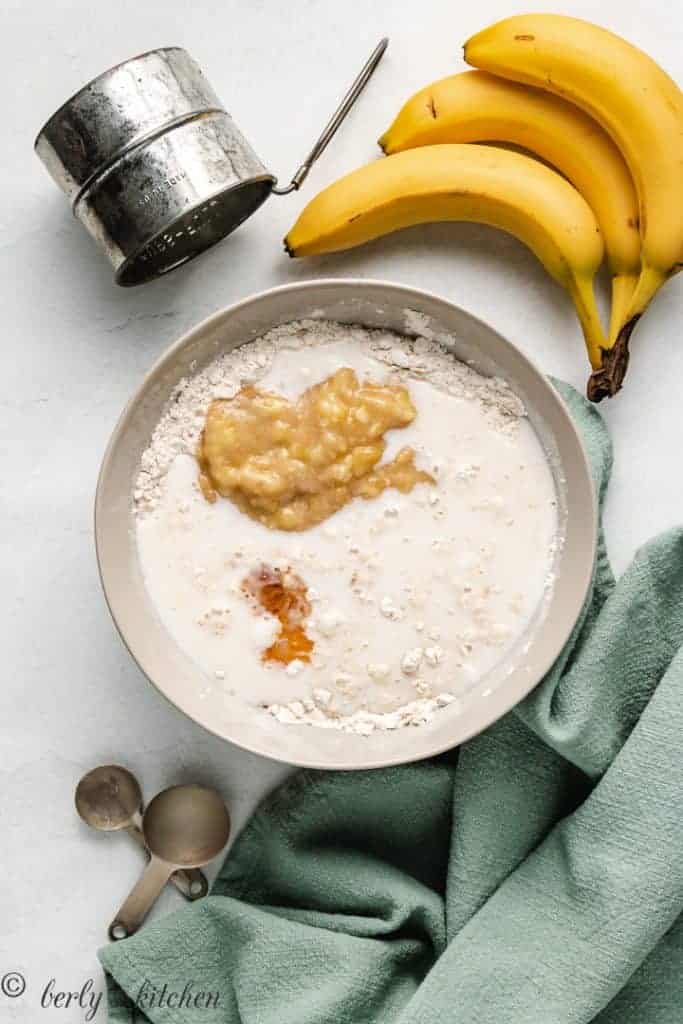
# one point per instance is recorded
(623, 289)
(608, 376)
(584, 302)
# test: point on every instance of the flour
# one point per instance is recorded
(362, 723)
(414, 597)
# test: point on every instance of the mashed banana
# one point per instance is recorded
(292, 465)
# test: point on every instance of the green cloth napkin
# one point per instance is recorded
(534, 876)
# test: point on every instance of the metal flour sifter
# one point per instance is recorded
(155, 168)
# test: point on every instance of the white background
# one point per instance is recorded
(74, 347)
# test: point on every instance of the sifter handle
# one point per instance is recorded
(335, 121)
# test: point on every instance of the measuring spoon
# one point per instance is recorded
(109, 799)
(184, 827)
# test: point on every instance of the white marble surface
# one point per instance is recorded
(75, 346)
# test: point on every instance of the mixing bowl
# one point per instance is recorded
(181, 681)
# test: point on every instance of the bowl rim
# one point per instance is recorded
(517, 687)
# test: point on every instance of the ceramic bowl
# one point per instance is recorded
(181, 681)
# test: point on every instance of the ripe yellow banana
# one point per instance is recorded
(477, 107)
(471, 183)
(638, 105)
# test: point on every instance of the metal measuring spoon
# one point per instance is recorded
(109, 799)
(184, 827)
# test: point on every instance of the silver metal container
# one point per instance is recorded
(154, 167)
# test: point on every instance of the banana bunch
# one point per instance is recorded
(581, 99)
(478, 107)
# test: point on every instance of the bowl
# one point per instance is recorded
(182, 682)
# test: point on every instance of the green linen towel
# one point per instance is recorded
(534, 876)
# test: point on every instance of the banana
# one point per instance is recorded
(637, 104)
(469, 183)
(477, 107)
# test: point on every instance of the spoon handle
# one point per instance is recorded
(191, 882)
(140, 900)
